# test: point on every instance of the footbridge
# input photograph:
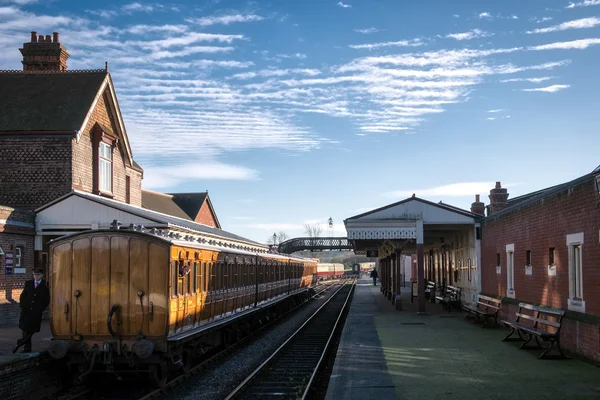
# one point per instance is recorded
(314, 244)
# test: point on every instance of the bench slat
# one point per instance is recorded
(482, 297)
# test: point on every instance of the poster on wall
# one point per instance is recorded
(8, 263)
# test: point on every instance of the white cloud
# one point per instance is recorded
(585, 3)
(227, 19)
(496, 110)
(491, 118)
(20, 2)
(576, 24)
(367, 30)
(550, 89)
(533, 80)
(171, 175)
(223, 64)
(276, 72)
(461, 189)
(142, 29)
(484, 15)
(574, 44)
(340, 4)
(400, 43)
(475, 33)
(137, 7)
(540, 20)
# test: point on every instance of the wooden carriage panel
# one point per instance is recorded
(61, 308)
(119, 283)
(81, 284)
(158, 278)
(100, 271)
(138, 262)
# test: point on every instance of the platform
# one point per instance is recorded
(9, 336)
(388, 354)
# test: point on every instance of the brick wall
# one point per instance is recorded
(11, 285)
(31, 378)
(205, 216)
(34, 171)
(539, 227)
(83, 159)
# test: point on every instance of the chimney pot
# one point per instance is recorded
(477, 198)
(498, 186)
(48, 39)
(41, 39)
(33, 36)
(55, 37)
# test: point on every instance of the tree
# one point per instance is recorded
(277, 238)
(312, 230)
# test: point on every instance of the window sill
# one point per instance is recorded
(104, 194)
(576, 305)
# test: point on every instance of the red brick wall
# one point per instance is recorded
(537, 228)
(33, 171)
(83, 159)
(205, 216)
(11, 285)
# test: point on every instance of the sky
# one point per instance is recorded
(292, 112)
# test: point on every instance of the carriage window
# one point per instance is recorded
(197, 271)
(189, 279)
(174, 275)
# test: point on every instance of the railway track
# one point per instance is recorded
(125, 391)
(289, 372)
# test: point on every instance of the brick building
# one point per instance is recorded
(544, 248)
(66, 165)
(195, 207)
(17, 232)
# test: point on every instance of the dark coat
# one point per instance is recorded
(33, 303)
(374, 274)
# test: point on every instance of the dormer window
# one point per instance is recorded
(104, 146)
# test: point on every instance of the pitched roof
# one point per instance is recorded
(534, 197)
(162, 203)
(49, 101)
(152, 215)
(190, 203)
(414, 198)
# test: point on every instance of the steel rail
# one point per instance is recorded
(237, 391)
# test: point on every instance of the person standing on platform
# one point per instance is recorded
(34, 300)
(374, 275)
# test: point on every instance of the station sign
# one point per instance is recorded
(373, 253)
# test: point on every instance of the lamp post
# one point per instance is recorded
(330, 221)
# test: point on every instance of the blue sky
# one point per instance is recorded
(291, 112)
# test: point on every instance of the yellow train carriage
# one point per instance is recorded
(144, 300)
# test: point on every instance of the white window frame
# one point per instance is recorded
(510, 270)
(105, 167)
(575, 262)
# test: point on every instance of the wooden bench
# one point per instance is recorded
(450, 298)
(536, 325)
(486, 307)
(430, 291)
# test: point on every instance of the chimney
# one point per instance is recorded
(498, 199)
(44, 53)
(478, 207)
